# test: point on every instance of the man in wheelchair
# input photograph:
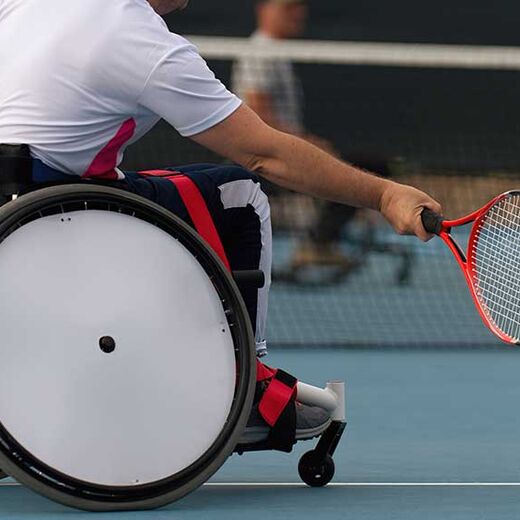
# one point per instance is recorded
(82, 80)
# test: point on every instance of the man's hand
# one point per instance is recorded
(402, 207)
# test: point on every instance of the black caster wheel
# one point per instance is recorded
(316, 471)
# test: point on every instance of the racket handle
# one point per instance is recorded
(432, 221)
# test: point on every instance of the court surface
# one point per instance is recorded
(431, 434)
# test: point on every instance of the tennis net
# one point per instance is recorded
(443, 118)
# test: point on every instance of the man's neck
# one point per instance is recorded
(163, 7)
(155, 5)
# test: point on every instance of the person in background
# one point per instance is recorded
(271, 87)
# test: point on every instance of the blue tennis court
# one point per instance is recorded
(431, 434)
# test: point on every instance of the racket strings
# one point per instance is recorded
(498, 265)
(497, 276)
(495, 264)
(500, 306)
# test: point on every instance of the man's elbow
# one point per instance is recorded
(269, 168)
(254, 163)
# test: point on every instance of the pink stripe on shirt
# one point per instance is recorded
(104, 164)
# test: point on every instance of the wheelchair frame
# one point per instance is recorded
(316, 467)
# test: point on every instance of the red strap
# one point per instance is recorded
(277, 396)
(263, 372)
(279, 392)
(159, 173)
(197, 209)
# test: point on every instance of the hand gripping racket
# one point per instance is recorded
(492, 264)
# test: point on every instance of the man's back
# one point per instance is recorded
(76, 79)
(58, 51)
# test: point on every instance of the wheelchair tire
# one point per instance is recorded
(102, 409)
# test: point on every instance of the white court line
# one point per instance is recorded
(341, 484)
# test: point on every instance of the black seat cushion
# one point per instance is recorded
(15, 168)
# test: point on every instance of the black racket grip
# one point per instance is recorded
(254, 279)
(431, 221)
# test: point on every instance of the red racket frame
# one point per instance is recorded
(465, 263)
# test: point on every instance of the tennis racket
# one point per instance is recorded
(492, 263)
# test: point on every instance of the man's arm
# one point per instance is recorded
(300, 166)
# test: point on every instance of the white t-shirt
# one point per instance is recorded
(82, 79)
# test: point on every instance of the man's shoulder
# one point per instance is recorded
(131, 41)
(138, 36)
(136, 19)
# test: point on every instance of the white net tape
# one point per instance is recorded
(495, 263)
(362, 53)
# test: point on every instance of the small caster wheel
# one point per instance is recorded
(316, 471)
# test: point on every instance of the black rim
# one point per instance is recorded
(64, 199)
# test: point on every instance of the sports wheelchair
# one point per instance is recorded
(128, 360)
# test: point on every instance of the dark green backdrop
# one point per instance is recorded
(442, 21)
